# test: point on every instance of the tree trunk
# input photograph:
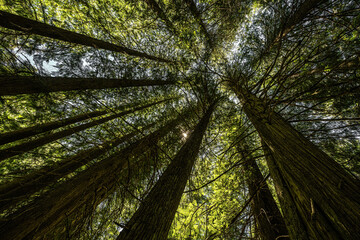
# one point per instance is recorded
(294, 223)
(327, 197)
(89, 188)
(303, 10)
(269, 221)
(14, 85)
(154, 217)
(41, 128)
(27, 146)
(197, 15)
(160, 13)
(19, 23)
(20, 189)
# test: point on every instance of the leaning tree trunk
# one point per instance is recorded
(137, 170)
(161, 14)
(14, 85)
(20, 189)
(154, 217)
(19, 23)
(197, 15)
(41, 128)
(269, 221)
(89, 187)
(327, 197)
(27, 146)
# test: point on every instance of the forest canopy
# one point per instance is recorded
(180, 119)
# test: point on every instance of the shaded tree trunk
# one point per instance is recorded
(197, 15)
(161, 14)
(293, 220)
(269, 221)
(154, 217)
(27, 146)
(89, 188)
(20, 189)
(327, 197)
(19, 23)
(303, 10)
(13, 85)
(41, 128)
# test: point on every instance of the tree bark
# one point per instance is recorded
(27, 146)
(41, 128)
(154, 217)
(294, 223)
(268, 218)
(89, 188)
(14, 85)
(327, 197)
(19, 23)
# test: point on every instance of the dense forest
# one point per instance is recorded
(180, 119)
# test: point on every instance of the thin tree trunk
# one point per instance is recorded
(27, 146)
(343, 66)
(156, 8)
(19, 23)
(154, 217)
(269, 221)
(89, 187)
(327, 197)
(41, 128)
(20, 189)
(14, 85)
(197, 15)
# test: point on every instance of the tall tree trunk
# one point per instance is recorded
(20, 189)
(161, 14)
(327, 197)
(269, 221)
(137, 170)
(197, 15)
(41, 128)
(304, 9)
(14, 85)
(154, 217)
(27, 146)
(89, 187)
(19, 23)
(294, 223)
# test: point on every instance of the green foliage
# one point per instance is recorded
(310, 76)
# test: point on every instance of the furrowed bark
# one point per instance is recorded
(27, 146)
(90, 187)
(14, 85)
(18, 23)
(294, 223)
(154, 217)
(41, 128)
(20, 189)
(326, 195)
(269, 221)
